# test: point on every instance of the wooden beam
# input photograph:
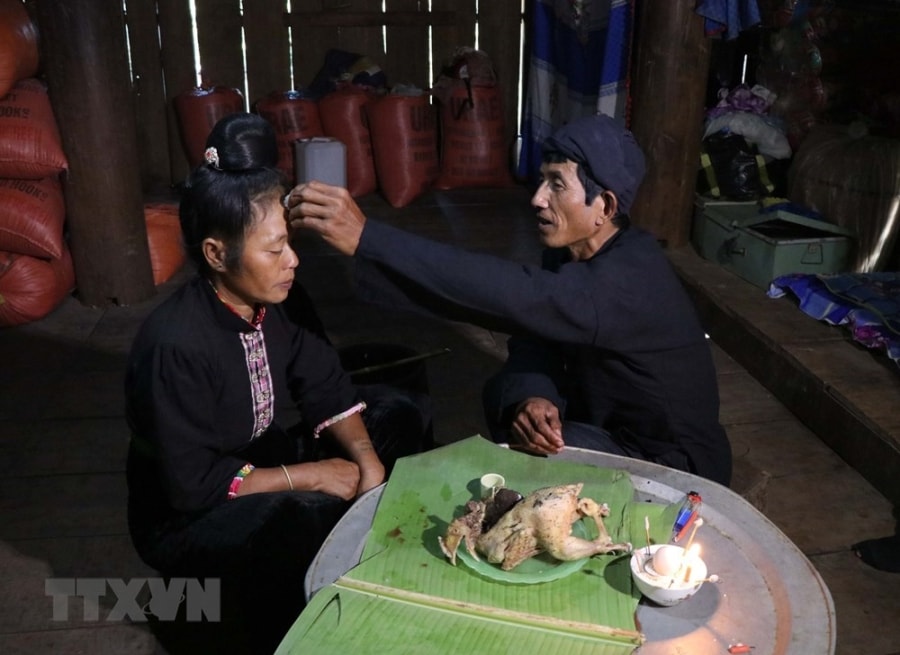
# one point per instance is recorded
(368, 18)
(671, 70)
(84, 58)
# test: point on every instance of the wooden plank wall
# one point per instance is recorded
(259, 39)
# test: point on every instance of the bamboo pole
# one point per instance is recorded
(400, 362)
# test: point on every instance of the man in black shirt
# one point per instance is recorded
(606, 350)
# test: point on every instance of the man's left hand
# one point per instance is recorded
(537, 426)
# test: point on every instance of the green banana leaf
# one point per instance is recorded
(405, 596)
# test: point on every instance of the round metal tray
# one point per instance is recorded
(769, 595)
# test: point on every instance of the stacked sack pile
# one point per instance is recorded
(396, 140)
(389, 135)
(401, 143)
(387, 138)
(36, 271)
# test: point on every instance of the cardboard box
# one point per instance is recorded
(762, 246)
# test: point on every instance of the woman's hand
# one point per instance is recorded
(537, 426)
(328, 210)
(351, 434)
(336, 477)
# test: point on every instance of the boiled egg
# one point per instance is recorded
(667, 560)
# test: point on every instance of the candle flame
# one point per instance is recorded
(691, 557)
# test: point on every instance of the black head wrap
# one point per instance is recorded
(606, 150)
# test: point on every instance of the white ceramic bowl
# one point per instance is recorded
(665, 589)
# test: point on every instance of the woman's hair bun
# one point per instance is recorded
(242, 142)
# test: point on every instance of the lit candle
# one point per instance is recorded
(691, 556)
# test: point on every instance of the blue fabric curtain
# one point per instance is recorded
(580, 57)
(728, 18)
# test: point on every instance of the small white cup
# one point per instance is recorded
(490, 483)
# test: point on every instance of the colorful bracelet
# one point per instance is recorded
(238, 480)
(358, 407)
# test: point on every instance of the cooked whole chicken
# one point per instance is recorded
(541, 522)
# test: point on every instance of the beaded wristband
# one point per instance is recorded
(238, 480)
(358, 407)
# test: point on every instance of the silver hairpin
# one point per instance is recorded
(211, 155)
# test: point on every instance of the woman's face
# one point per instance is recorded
(267, 262)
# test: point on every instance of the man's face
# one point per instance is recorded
(564, 221)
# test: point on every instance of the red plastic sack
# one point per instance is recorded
(343, 116)
(164, 239)
(293, 117)
(404, 146)
(198, 110)
(32, 217)
(30, 148)
(473, 151)
(19, 56)
(30, 288)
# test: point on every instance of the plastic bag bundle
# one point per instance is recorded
(732, 168)
(765, 133)
(342, 68)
